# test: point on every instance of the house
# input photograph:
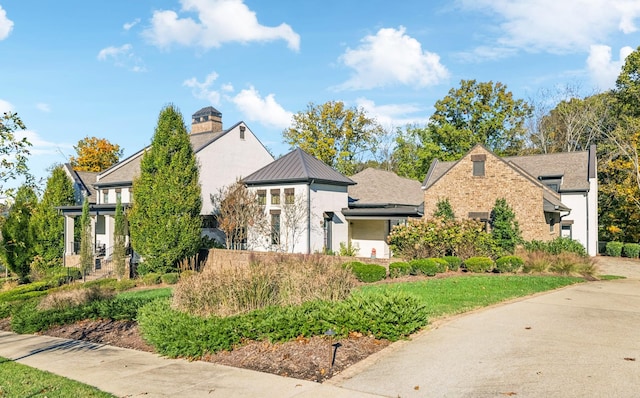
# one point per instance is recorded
(552, 195)
(380, 200)
(303, 199)
(224, 155)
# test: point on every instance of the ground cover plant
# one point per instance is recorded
(17, 380)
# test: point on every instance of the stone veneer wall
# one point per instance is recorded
(468, 193)
(214, 124)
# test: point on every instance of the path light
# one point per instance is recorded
(335, 346)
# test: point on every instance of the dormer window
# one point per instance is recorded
(478, 164)
(552, 181)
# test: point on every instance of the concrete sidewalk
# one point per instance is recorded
(131, 373)
(581, 341)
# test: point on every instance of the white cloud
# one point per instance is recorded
(5, 106)
(391, 57)
(204, 90)
(265, 110)
(393, 115)
(43, 107)
(131, 24)
(603, 69)
(6, 25)
(40, 146)
(219, 21)
(557, 26)
(123, 57)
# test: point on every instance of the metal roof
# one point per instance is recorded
(297, 166)
(207, 111)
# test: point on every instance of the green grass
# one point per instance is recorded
(17, 380)
(610, 277)
(456, 295)
(147, 293)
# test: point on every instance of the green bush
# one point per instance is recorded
(509, 264)
(170, 278)
(478, 264)
(453, 262)
(631, 250)
(151, 278)
(174, 333)
(367, 272)
(399, 269)
(614, 249)
(556, 246)
(428, 266)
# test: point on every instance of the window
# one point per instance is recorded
(242, 129)
(478, 165)
(262, 197)
(275, 196)
(551, 181)
(209, 222)
(105, 196)
(119, 195)
(289, 196)
(275, 227)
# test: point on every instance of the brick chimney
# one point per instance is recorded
(206, 120)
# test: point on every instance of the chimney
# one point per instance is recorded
(206, 120)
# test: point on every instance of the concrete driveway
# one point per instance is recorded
(580, 341)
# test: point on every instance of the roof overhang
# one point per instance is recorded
(94, 210)
(382, 212)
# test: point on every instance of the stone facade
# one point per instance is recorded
(473, 196)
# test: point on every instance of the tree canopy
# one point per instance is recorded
(17, 233)
(165, 216)
(337, 135)
(95, 154)
(13, 150)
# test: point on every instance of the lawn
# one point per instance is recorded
(450, 296)
(17, 380)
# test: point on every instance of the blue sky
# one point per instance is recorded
(95, 68)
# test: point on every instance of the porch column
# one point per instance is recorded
(68, 235)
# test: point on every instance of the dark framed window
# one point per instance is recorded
(105, 196)
(478, 165)
(275, 196)
(262, 197)
(242, 130)
(118, 195)
(275, 227)
(209, 221)
(289, 196)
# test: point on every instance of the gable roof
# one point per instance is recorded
(574, 167)
(384, 188)
(297, 166)
(207, 111)
(84, 180)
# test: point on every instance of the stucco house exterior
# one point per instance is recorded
(302, 199)
(551, 194)
(379, 201)
(224, 155)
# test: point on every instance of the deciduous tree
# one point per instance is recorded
(165, 223)
(95, 154)
(339, 136)
(119, 238)
(14, 151)
(17, 233)
(86, 240)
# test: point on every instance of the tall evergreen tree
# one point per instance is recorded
(444, 210)
(86, 243)
(48, 225)
(119, 237)
(17, 233)
(504, 227)
(165, 223)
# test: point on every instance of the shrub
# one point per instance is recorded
(170, 278)
(428, 266)
(348, 250)
(572, 264)
(556, 246)
(367, 272)
(614, 249)
(631, 250)
(478, 264)
(287, 280)
(453, 262)
(504, 227)
(509, 264)
(399, 269)
(151, 278)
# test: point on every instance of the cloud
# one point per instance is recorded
(6, 106)
(43, 107)
(204, 90)
(265, 111)
(40, 146)
(603, 70)
(6, 25)
(556, 26)
(391, 57)
(123, 57)
(393, 115)
(219, 22)
(131, 24)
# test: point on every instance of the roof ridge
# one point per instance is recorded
(303, 161)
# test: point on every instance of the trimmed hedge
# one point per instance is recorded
(367, 272)
(631, 250)
(428, 266)
(478, 264)
(614, 249)
(509, 264)
(399, 269)
(453, 262)
(151, 278)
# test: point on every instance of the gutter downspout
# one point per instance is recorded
(309, 216)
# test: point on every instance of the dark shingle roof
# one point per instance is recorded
(207, 111)
(297, 166)
(385, 187)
